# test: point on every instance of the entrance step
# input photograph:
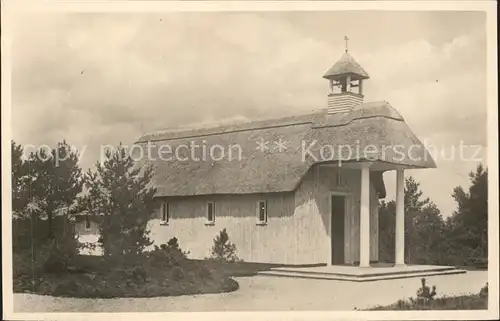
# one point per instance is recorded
(364, 272)
(360, 277)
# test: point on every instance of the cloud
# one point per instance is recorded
(104, 78)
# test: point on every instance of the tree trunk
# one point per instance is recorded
(32, 232)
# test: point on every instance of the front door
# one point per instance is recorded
(337, 229)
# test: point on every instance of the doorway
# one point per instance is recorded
(337, 229)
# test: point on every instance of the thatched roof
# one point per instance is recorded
(346, 66)
(374, 123)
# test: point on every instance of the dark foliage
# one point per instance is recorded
(425, 301)
(425, 293)
(54, 181)
(20, 181)
(223, 249)
(484, 291)
(168, 255)
(460, 240)
(464, 302)
(136, 276)
(120, 191)
(45, 185)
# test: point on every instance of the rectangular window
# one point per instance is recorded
(211, 212)
(165, 212)
(262, 211)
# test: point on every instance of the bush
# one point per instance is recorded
(60, 253)
(425, 293)
(169, 254)
(464, 302)
(425, 301)
(165, 271)
(178, 273)
(22, 263)
(48, 255)
(204, 272)
(105, 279)
(139, 274)
(477, 262)
(484, 291)
(223, 249)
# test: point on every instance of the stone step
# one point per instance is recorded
(361, 275)
(359, 278)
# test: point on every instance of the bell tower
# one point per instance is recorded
(345, 78)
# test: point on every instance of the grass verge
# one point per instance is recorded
(463, 302)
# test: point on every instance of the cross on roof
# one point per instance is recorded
(346, 40)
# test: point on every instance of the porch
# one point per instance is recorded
(364, 236)
(364, 267)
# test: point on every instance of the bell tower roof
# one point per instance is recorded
(345, 78)
(346, 65)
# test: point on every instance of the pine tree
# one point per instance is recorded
(121, 192)
(223, 249)
(56, 180)
(387, 237)
(423, 224)
(428, 235)
(46, 185)
(468, 226)
(423, 227)
(425, 292)
(20, 181)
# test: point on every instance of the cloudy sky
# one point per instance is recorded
(97, 79)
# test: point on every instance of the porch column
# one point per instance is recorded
(400, 217)
(364, 217)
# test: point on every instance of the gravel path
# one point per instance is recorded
(267, 293)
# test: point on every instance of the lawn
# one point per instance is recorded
(240, 268)
(149, 275)
(145, 276)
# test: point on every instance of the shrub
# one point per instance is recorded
(484, 291)
(22, 263)
(174, 247)
(169, 254)
(60, 253)
(426, 301)
(477, 262)
(130, 276)
(49, 255)
(464, 302)
(204, 272)
(425, 293)
(223, 249)
(178, 273)
(139, 274)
